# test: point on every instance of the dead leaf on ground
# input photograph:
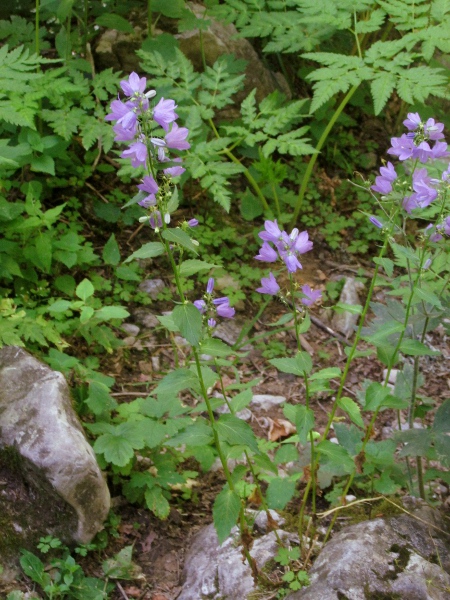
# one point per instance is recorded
(280, 428)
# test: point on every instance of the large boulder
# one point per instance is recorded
(401, 558)
(50, 483)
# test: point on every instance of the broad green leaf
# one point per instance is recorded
(127, 274)
(167, 322)
(385, 485)
(336, 454)
(417, 442)
(349, 437)
(188, 319)
(197, 434)
(174, 382)
(84, 290)
(156, 502)
(427, 296)
(99, 399)
(44, 252)
(442, 447)
(215, 347)
(387, 265)
(236, 432)
(112, 21)
(241, 400)
(352, 409)
(106, 313)
(193, 265)
(43, 164)
(86, 313)
(328, 373)
(279, 492)
(442, 418)
(119, 443)
(226, 509)
(304, 422)
(388, 329)
(149, 250)
(375, 395)
(299, 365)
(111, 252)
(380, 453)
(59, 306)
(416, 348)
(178, 236)
(34, 568)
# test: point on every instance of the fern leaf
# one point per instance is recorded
(381, 89)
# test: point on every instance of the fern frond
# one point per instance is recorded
(381, 88)
(417, 83)
(407, 15)
(291, 143)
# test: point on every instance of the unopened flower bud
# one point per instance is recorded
(195, 242)
(167, 218)
(150, 94)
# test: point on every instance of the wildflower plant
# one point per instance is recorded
(417, 299)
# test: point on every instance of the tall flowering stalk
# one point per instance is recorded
(152, 134)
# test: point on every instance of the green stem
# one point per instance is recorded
(85, 32)
(149, 19)
(313, 159)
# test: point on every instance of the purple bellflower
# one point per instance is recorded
(223, 307)
(288, 246)
(383, 183)
(138, 154)
(164, 113)
(269, 286)
(176, 138)
(310, 296)
(134, 85)
(376, 222)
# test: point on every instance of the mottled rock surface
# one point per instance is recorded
(214, 572)
(50, 480)
(397, 558)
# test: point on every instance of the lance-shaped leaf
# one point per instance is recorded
(188, 319)
(178, 236)
(225, 512)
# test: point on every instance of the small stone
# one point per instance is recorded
(131, 329)
(345, 322)
(267, 401)
(261, 520)
(152, 287)
(392, 376)
(146, 318)
(245, 414)
(129, 341)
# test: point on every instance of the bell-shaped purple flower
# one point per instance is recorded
(272, 232)
(200, 305)
(413, 121)
(138, 154)
(176, 138)
(164, 113)
(134, 85)
(376, 222)
(269, 286)
(223, 307)
(302, 243)
(310, 296)
(210, 285)
(433, 130)
(403, 147)
(267, 253)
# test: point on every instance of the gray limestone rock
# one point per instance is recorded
(51, 483)
(398, 558)
(345, 322)
(214, 572)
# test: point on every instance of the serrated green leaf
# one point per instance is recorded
(299, 365)
(416, 348)
(349, 437)
(157, 503)
(375, 395)
(99, 399)
(174, 382)
(149, 250)
(354, 309)
(336, 454)
(178, 236)
(226, 509)
(350, 407)
(197, 434)
(442, 418)
(188, 319)
(236, 432)
(279, 492)
(86, 313)
(304, 422)
(381, 87)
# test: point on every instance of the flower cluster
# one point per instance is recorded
(216, 306)
(136, 121)
(415, 144)
(287, 247)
